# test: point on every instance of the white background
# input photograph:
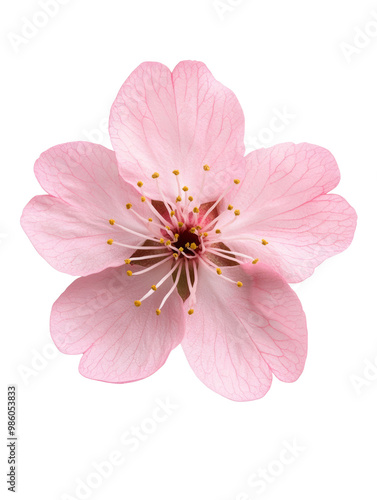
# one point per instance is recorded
(57, 86)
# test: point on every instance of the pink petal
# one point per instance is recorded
(70, 228)
(71, 241)
(163, 121)
(302, 238)
(238, 336)
(283, 200)
(86, 176)
(96, 316)
(283, 177)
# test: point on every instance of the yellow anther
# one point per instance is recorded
(217, 231)
(190, 311)
(237, 212)
(162, 240)
(181, 249)
(193, 246)
(206, 168)
(193, 230)
(137, 303)
(185, 188)
(128, 206)
(219, 271)
(239, 284)
(158, 312)
(167, 227)
(198, 227)
(175, 255)
(168, 243)
(178, 199)
(180, 224)
(205, 235)
(236, 181)
(143, 199)
(190, 198)
(129, 273)
(150, 219)
(155, 175)
(154, 288)
(112, 222)
(176, 236)
(255, 261)
(128, 261)
(264, 242)
(176, 172)
(230, 207)
(172, 213)
(140, 184)
(187, 244)
(196, 210)
(110, 242)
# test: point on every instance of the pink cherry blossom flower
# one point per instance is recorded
(181, 239)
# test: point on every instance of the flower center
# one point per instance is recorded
(185, 235)
(190, 243)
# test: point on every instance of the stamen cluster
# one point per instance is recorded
(187, 235)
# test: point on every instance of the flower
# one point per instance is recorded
(181, 239)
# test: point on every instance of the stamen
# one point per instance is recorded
(147, 257)
(215, 205)
(211, 265)
(146, 236)
(172, 288)
(264, 242)
(214, 252)
(135, 247)
(192, 287)
(231, 252)
(148, 223)
(162, 280)
(138, 273)
(168, 207)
